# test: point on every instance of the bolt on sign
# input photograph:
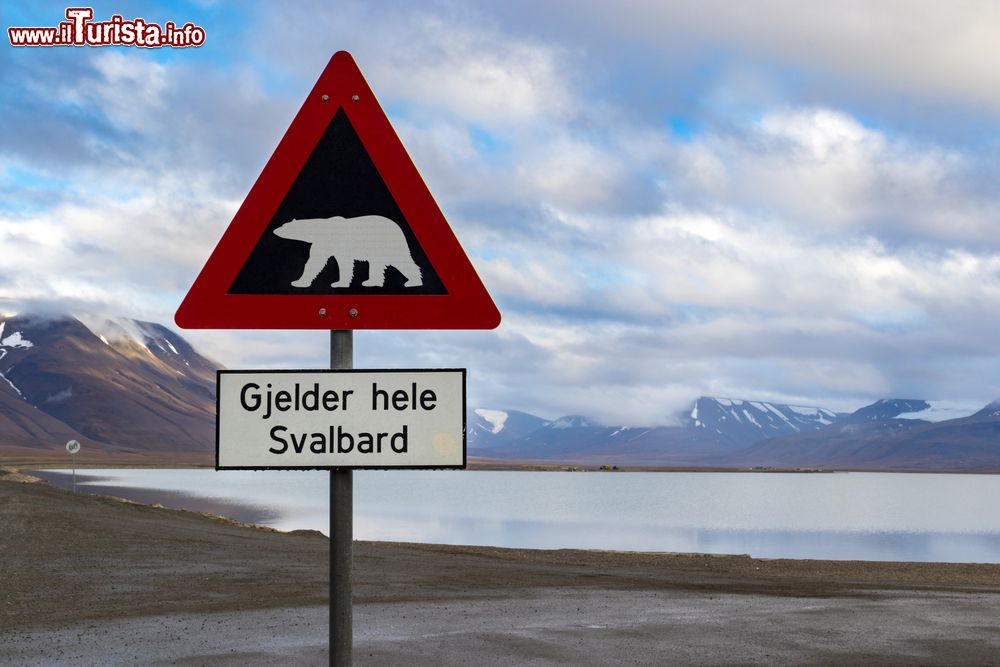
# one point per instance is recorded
(291, 420)
(339, 232)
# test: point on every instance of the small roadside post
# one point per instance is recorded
(73, 447)
(339, 233)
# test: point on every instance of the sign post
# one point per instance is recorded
(341, 419)
(339, 232)
(341, 528)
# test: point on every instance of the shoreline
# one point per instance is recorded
(476, 463)
(241, 513)
(762, 542)
(254, 516)
(484, 464)
(876, 568)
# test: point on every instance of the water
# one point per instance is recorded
(863, 516)
(286, 500)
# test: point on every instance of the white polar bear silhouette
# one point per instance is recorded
(366, 238)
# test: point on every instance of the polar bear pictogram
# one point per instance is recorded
(367, 238)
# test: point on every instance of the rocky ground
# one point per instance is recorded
(90, 580)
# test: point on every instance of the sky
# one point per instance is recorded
(774, 200)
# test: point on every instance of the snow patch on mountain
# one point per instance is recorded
(939, 411)
(819, 414)
(778, 413)
(3, 353)
(496, 418)
(752, 420)
(15, 340)
(694, 417)
(12, 385)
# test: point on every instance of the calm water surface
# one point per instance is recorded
(868, 516)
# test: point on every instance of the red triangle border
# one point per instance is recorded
(467, 305)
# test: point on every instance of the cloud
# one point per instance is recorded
(723, 302)
(120, 116)
(786, 245)
(547, 279)
(128, 91)
(441, 60)
(919, 47)
(475, 74)
(792, 276)
(572, 173)
(127, 223)
(825, 170)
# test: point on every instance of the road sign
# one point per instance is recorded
(73, 447)
(339, 232)
(341, 419)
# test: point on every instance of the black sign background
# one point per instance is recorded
(338, 179)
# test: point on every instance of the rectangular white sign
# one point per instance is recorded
(340, 419)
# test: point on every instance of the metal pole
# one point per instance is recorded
(74, 473)
(341, 529)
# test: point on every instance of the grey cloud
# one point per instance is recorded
(635, 269)
(197, 123)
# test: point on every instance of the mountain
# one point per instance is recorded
(886, 408)
(743, 423)
(904, 408)
(570, 437)
(494, 428)
(133, 391)
(127, 390)
(891, 434)
(713, 427)
(991, 410)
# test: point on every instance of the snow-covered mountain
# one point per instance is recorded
(904, 408)
(991, 410)
(136, 391)
(891, 435)
(712, 426)
(126, 389)
(746, 422)
(728, 432)
(909, 408)
(487, 428)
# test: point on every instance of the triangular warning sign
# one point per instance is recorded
(338, 232)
